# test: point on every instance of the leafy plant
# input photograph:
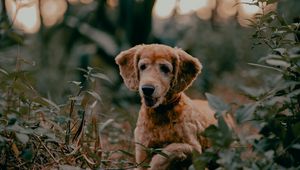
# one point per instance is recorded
(262, 134)
(36, 133)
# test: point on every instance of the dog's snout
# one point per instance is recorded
(148, 90)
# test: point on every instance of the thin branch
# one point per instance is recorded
(68, 131)
(47, 149)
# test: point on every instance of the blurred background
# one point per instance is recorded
(56, 37)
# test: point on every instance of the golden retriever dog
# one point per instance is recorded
(168, 119)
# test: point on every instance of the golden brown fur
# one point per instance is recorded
(167, 119)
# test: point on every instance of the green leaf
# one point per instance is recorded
(210, 131)
(3, 71)
(44, 133)
(76, 98)
(29, 62)
(160, 152)
(296, 129)
(226, 137)
(245, 113)
(296, 146)
(105, 124)
(216, 103)
(22, 137)
(269, 154)
(77, 83)
(253, 93)
(81, 70)
(267, 67)
(95, 95)
(101, 76)
(277, 100)
(143, 146)
(278, 62)
(51, 103)
(200, 160)
(61, 119)
(27, 154)
(270, 56)
(218, 114)
(3, 139)
(192, 167)
(12, 118)
(294, 93)
(226, 158)
(16, 37)
(145, 165)
(220, 135)
(127, 153)
(89, 69)
(281, 51)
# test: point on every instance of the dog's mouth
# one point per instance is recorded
(150, 101)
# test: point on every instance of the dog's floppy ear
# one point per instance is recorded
(186, 70)
(127, 61)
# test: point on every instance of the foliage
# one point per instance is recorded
(264, 133)
(37, 133)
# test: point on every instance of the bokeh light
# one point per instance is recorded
(189, 6)
(205, 12)
(112, 3)
(247, 7)
(226, 9)
(246, 12)
(52, 11)
(24, 15)
(164, 8)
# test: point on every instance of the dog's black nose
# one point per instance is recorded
(148, 90)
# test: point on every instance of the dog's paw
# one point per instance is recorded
(159, 162)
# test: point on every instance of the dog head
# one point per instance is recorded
(157, 71)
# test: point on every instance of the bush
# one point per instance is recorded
(36, 133)
(265, 133)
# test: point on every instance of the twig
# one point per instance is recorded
(267, 67)
(47, 149)
(36, 153)
(130, 167)
(79, 132)
(68, 131)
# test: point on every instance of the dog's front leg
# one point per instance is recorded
(179, 156)
(141, 157)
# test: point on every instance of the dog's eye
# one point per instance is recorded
(143, 67)
(165, 69)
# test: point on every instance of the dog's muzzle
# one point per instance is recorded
(148, 91)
